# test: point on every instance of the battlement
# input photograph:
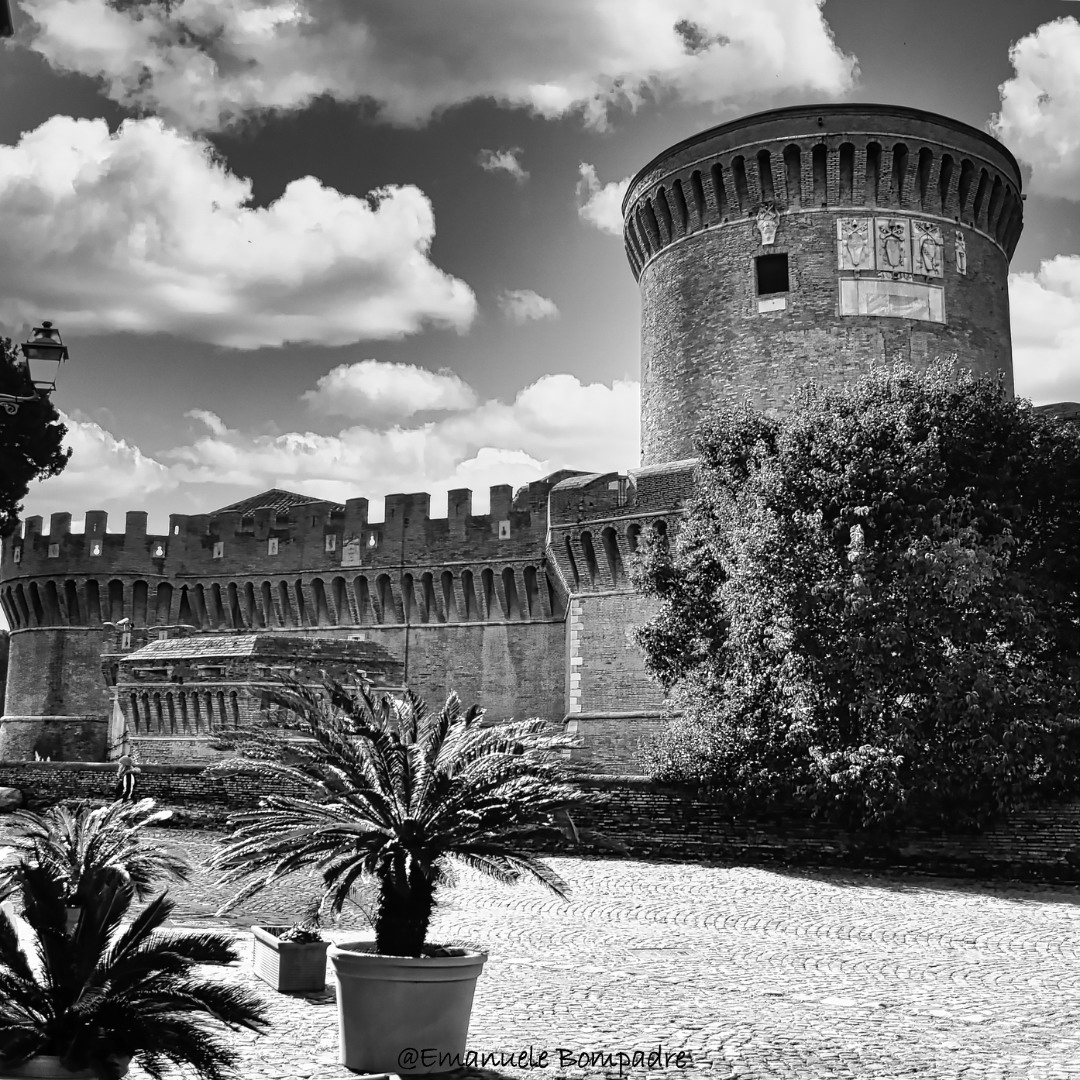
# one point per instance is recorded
(312, 535)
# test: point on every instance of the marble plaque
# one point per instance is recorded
(882, 298)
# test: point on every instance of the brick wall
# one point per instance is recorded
(651, 820)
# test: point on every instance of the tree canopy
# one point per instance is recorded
(871, 609)
(30, 440)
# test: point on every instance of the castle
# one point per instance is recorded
(800, 243)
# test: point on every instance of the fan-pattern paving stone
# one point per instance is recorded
(753, 973)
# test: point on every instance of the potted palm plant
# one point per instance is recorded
(82, 1006)
(391, 794)
(292, 959)
(83, 846)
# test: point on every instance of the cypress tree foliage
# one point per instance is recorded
(871, 611)
(30, 440)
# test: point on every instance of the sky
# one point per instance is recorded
(356, 247)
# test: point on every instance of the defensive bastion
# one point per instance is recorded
(801, 243)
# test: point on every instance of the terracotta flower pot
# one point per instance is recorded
(46, 1067)
(391, 1004)
(289, 966)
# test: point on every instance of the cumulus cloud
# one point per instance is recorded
(1045, 308)
(508, 161)
(102, 468)
(556, 422)
(381, 394)
(144, 230)
(206, 64)
(601, 204)
(523, 305)
(1040, 105)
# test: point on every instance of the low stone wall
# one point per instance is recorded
(650, 820)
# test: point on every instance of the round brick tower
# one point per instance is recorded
(804, 243)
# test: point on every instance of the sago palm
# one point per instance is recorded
(389, 792)
(83, 846)
(111, 993)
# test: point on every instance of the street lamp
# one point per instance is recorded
(40, 354)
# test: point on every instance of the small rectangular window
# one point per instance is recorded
(772, 274)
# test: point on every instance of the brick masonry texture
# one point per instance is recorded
(652, 821)
(692, 238)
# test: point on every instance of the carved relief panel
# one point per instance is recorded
(854, 244)
(961, 253)
(892, 247)
(926, 248)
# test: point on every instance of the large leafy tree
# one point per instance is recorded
(30, 439)
(871, 610)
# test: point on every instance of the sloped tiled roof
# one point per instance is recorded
(234, 646)
(175, 648)
(275, 499)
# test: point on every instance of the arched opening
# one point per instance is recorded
(170, 708)
(140, 595)
(633, 536)
(926, 161)
(116, 600)
(847, 172)
(665, 216)
(185, 614)
(385, 594)
(611, 553)
(234, 708)
(133, 708)
(52, 604)
(873, 172)
(201, 724)
(185, 720)
(449, 600)
(997, 193)
(222, 714)
(36, 606)
(765, 180)
(322, 609)
(967, 181)
(218, 605)
(71, 602)
(431, 605)
(573, 564)
(252, 615)
(642, 232)
(341, 601)
(979, 205)
(944, 179)
(269, 616)
(819, 171)
(697, 191)
(899, 173)
(302, 616)
(716, 174)
(793, 174)
(682, 212)
(659, 530)
(589, 552)
(362, 595)
(159, 715)
(408, 597)
(163, 598)
(491, 605)
(285, 604)
(532, 593)
(93, 602)
(738, 175)
(652, 226)
(513, 603)
(468, 595)
(147, 714)
(236, 616)
(210, 725)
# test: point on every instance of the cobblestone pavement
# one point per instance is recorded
(751, 973)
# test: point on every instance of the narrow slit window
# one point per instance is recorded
(772, 274)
